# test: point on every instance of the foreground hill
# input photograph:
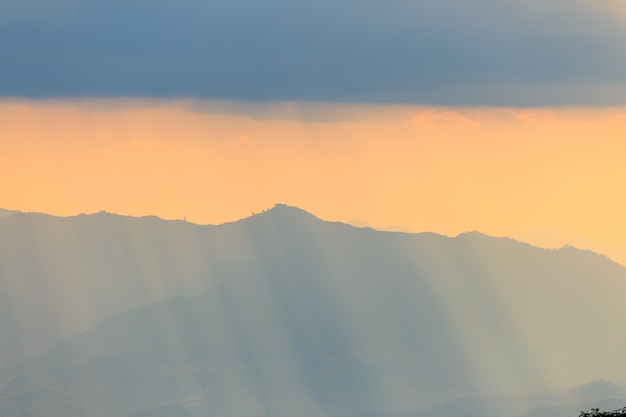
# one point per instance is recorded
(282, 314)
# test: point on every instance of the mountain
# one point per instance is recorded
(283, 313)
(7, 213)
(361, 223)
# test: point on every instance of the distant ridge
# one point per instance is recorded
(284, 314)
(284, 214)
(281, 211)
(7, 213)
(278, 210)
(361, 224)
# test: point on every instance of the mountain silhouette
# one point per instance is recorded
(283, 313)
(7, 213)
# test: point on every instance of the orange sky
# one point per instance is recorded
(546, 176)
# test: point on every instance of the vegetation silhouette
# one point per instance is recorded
(595, 412)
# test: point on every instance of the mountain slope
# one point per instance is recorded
(301, 316)
(60, 276)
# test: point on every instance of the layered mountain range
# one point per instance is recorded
(285, 314)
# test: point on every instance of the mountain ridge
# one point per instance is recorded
(276, 208)
(283, 312)
(282, 209)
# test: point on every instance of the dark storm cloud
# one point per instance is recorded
(453, 52)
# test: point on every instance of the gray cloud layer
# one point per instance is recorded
(451, 52)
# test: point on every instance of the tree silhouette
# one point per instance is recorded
(595, 412)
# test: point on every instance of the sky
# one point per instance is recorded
(443, 52)
(506, 117)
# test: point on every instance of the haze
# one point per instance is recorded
(547, 176)
(142, 143)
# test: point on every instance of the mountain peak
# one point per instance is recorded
(282, 211)
(280, 215)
